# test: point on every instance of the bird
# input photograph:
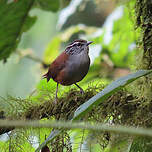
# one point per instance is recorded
(71, 66)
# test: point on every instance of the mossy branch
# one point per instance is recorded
(144, 21)
(20, 109)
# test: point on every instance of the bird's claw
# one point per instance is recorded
(56, 101)
(81, 91)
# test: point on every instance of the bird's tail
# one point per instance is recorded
(46, 76)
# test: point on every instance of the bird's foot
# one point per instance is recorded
(81, 91)
(55, 101)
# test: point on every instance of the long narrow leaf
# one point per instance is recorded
(108, 91)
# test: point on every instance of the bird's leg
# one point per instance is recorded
(56, 95)
(81, 90)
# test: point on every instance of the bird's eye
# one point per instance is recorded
(79, 44)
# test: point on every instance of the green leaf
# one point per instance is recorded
(29, 21)
(15, 20)
(97, 99)
(14, 17)
(48, 5)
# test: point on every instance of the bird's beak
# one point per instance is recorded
(88, 43)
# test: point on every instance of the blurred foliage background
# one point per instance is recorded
(31, 38)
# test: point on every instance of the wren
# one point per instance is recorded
(71, 66)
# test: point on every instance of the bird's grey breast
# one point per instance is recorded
(79, 60)
(78, 66)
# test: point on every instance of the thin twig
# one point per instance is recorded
(71, 125)
(29, 54)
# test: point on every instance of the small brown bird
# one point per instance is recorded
(71, 66)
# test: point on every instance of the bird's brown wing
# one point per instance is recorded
(56, 67)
